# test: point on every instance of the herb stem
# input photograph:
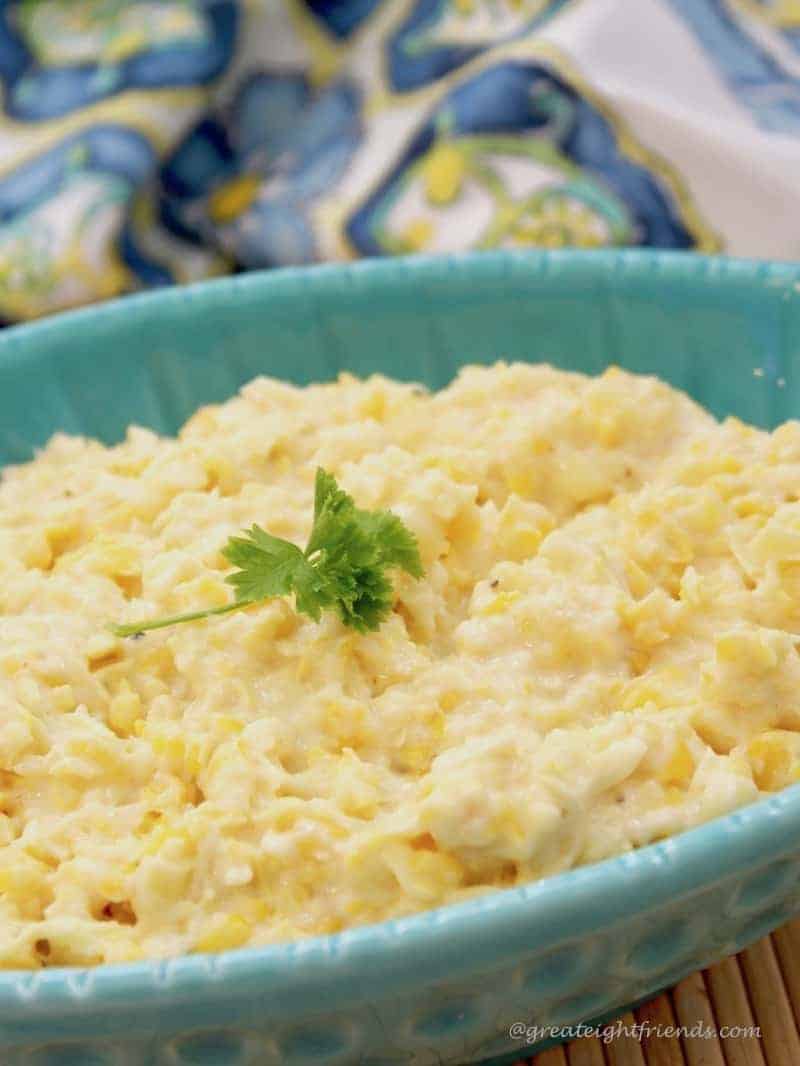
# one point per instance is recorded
(131, 629)
(343, 566)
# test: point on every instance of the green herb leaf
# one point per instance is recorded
(267, 565)
(396, 543)
(343, 566)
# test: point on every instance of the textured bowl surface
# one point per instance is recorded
(442, 987)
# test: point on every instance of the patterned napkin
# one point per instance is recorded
(146, 142)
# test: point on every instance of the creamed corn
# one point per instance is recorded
(603, 652)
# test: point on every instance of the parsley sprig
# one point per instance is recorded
(343, 568)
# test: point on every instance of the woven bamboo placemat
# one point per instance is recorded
(760, 988)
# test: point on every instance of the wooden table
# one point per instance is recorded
(758, 988)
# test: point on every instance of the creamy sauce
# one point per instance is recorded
(601, 654)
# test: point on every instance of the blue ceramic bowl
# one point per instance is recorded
(446, 986)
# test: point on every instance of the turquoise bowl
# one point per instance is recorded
(446, 986)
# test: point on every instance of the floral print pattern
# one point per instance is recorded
(153, 142)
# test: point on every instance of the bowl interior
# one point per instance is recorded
(728, 332)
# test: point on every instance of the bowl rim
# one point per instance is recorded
(621, 264)
(492, 930)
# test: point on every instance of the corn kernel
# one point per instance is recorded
(464, 528)
(62, 699)
(227, 725)
(101, 647)
(258, 910)
(656, 688)
(193, 759)
(679, 768)
(101, 753)
(62, 535)
(173, 749)
(222, 474)
(608, 430)
(232, 931)
(124, 710)
(639, 582)
(774, 758)
(202, 423)
(208, 590)
(522, 527)
(36, 553)
(373, 405)
(500, 603)
(746, 647)
(523, 482)
(163, 833)
(716, 729)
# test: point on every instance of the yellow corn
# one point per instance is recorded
(500, 603)
(232, 931)
(124, 710)
(746, 647)
(773, 760)
(63, 699)
(102, 648)
(679, 768)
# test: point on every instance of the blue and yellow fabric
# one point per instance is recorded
(149, 142)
